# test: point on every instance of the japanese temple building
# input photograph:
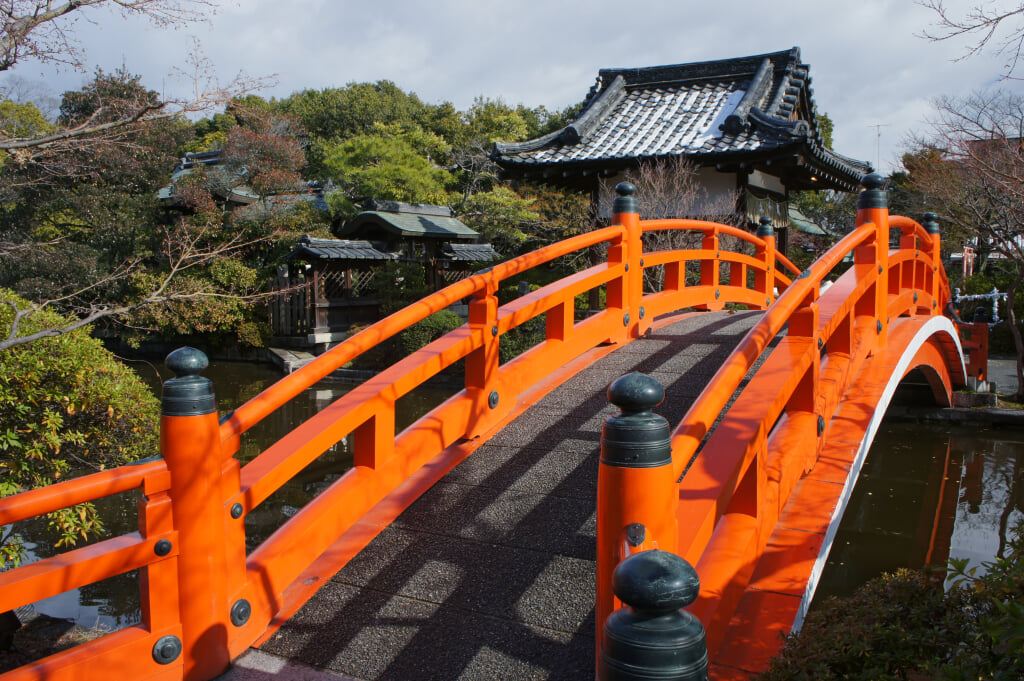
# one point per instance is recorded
(748, 124)
(348, 277)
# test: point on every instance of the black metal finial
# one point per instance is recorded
(636, 437)
(655, 581)
(765, 228)
(654, 638)
(873, 194)
(872, 181)
(625, 202)
(931, 223)
(636, 392)
(188, 393)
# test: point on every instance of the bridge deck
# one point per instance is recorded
(490, 574)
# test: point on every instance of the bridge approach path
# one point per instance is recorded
(490, 574)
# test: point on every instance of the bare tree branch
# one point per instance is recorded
(986, 25)
(978, 181)
(185, 251)
(37, 29)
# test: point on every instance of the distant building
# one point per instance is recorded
(228, 188)
(347, 277)
(748, 123)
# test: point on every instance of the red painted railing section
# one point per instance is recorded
(729, 501)
(205, 599)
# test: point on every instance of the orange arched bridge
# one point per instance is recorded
(480, 541)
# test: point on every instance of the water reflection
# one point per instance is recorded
(927, 493)
(992, 495)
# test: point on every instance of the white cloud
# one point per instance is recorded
(868, 67)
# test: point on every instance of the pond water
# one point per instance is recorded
(926, 493)
(114, 603)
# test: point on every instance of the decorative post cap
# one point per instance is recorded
(636, 437)
(654, 638)
(931, 223)
(188, 393)
(655, 582)
(765, 229)
(635, 393)
(872, 195)
(625, 202)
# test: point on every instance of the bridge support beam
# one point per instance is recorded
(764, 281)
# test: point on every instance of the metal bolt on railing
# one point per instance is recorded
(653, 637)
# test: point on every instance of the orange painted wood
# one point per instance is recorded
(44, 500)
(728, 515)
(76, 568)
(123, 654)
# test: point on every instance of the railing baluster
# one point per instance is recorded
(482, 364)
(873, 207)
(934, 279)
(636, 489)
(764, 281)
(623, 293)
(373, 442)
(158, 583)
(709, 274)
(190, 443)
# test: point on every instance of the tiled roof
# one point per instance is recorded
(408, 224)
(311, 248)
(338, 249)
(469, 252)
(708, 111)
(233, 190)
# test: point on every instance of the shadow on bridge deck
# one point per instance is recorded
(490, 574)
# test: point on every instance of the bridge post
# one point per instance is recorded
(625, 294)
(709, 270)
(482, 364)
(764, 282)
(653, 637)
(873, 207)
(931, 225)
(636, 490)
(190, 443)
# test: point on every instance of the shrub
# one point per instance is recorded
(386, 353)
(427, 331)
(67, 407)
(906, 623)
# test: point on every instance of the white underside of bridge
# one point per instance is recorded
(932, 327)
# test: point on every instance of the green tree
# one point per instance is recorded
(970, 171)
(66, 407)
(388, 166)
(22, 120)
(333, 115)
(95, 243)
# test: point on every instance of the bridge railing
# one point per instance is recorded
(727, 489)
(204, 597)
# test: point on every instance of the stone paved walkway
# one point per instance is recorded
(490, 574)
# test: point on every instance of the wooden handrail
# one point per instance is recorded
(242, 594)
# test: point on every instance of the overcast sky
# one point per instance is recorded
(867, 65)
